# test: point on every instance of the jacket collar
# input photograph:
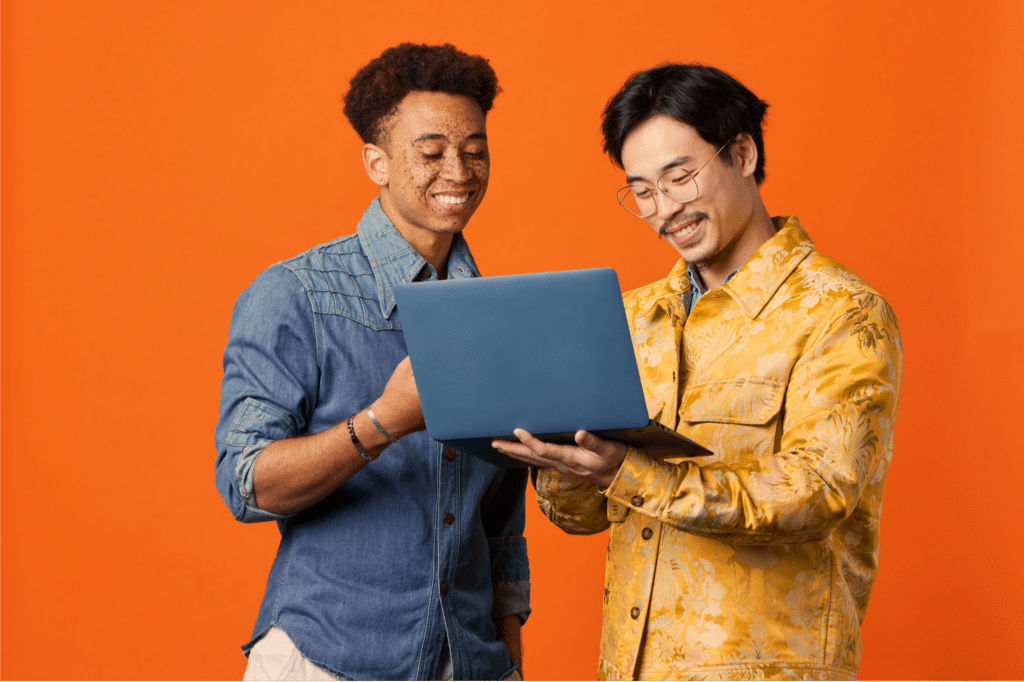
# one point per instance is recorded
(761, 276)
(393, 260)
(757, 280)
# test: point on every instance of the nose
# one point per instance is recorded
(456, 168)
(666, 208)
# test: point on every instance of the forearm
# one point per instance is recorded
(798, 494)
(295, 473)
(834, 440)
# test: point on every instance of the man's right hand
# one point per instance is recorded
(294, 473)
(398, 408)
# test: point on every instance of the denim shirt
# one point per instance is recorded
(697, 286)
(423, 543)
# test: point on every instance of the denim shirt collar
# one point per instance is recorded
(393, 260)
(697, 289)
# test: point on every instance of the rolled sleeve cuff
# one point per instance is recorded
(257, 425)
(511, 599)
(510, 576)
(247, 511)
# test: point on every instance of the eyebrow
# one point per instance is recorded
(438, 136)
(678, 161)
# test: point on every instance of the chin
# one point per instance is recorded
(448, 227)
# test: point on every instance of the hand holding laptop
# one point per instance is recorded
(591, 459)
(546, 353)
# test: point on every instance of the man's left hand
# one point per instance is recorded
(591, 459)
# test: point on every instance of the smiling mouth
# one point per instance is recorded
(681, 230)
(452, 199)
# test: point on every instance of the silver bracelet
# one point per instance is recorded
(369, 413)
(355, 441)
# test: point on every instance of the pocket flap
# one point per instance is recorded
(733, 401)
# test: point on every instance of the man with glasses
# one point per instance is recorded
(399, 558)
(758, 561)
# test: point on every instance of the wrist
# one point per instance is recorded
(388, 421)
(380, 428)
(606, 482)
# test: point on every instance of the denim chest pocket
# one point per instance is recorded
(735, 418)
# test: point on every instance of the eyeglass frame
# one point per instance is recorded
(657, 188)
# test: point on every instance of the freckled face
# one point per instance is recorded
(437, 163)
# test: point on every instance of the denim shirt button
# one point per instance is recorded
(444, 589)
(449, 518)
(449, 454)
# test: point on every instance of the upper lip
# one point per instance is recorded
(681, 223)
(454, 192)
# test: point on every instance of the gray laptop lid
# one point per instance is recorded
(548, 352)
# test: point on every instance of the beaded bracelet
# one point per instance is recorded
(355, 441)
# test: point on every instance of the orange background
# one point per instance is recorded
(158, 155)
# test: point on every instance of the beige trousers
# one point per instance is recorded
(274, 657)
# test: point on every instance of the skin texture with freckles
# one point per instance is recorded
(720, 229)
(432, 168)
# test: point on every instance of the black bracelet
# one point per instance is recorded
(355, 441)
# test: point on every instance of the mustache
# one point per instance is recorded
(688, 217)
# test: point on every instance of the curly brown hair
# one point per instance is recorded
(377, 88)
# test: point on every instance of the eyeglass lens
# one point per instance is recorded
(677, 184)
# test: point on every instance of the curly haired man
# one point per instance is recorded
(399, 558)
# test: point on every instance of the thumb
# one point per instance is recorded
(589, 441)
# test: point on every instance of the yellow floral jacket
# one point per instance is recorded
(758, 561)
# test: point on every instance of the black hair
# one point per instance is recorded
(711, 101)
(377, 88)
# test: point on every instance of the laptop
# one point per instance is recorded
(549, 352)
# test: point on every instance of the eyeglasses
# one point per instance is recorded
(678, 184)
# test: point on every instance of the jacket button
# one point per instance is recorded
(637, 501)
(449, 518)
(444, 589)
(634, 612)
(449, 454)
(646, 533)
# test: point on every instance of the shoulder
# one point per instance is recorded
(824, 270)
(833, 286)
(330, 266)
(337, 278)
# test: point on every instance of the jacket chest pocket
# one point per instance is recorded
(737, 419)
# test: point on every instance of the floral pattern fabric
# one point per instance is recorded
(756, 562)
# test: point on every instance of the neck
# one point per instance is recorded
(758, 230)
(434, 247)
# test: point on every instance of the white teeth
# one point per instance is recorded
(685, 232)
(452, 200)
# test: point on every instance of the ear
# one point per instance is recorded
(744, 153)
(375, 161)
